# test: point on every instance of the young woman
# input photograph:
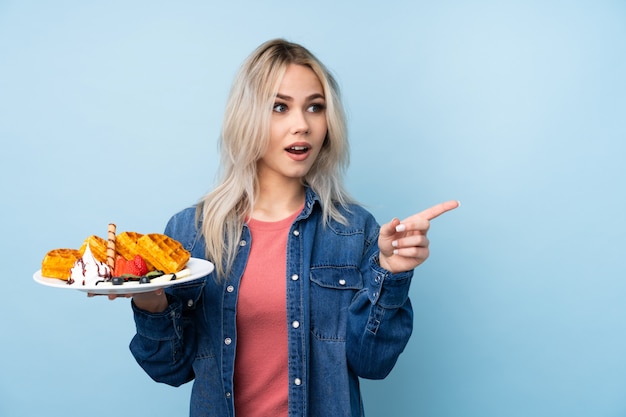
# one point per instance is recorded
(309, 294)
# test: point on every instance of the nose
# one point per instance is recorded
(299, 123)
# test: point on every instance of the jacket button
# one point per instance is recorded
(296, 233)
(190, 303)
(297, 381)
(242, 243)
(228, 394)
(230, 288)
(295, 324)
(228, 341)
(342, 282)
(294, 277)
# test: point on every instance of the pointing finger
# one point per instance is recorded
(439, 209)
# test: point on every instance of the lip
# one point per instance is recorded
(303, 150)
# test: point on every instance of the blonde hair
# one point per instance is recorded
(245, 136)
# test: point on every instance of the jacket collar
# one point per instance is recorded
(310, 201)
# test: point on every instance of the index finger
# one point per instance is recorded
(439, 209)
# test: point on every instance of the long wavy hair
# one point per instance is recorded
(245, 136)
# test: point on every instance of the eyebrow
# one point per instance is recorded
(311, 97)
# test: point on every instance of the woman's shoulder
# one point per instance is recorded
(183, 225)
(356, 217)
(185, 214)
(354, 210)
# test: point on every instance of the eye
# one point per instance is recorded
(316, 108)
(280, 107)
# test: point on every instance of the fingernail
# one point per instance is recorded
(395, 251)
(394, 243)
(400, 228)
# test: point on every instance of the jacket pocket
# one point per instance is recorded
(332, 290)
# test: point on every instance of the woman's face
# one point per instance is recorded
(297, 127)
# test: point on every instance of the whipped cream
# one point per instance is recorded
(88, 270)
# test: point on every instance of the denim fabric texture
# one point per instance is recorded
(353, 317)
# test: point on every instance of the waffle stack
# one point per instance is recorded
(159, 251)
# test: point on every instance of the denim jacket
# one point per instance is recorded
(347, 318)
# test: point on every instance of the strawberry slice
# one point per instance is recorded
(138, 265)
(120, 266)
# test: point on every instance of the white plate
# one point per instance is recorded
(195, 268)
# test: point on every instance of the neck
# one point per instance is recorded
(277, 201)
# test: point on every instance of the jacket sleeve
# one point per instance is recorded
(164, 345)
(380, 320)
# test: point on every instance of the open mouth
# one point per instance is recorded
(297, 150)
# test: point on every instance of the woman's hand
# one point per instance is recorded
(152, 302)
(403, 244)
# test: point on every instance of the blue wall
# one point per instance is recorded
(109, 112)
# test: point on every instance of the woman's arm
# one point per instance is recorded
(165, 344)
(380, 316)
(380, 322)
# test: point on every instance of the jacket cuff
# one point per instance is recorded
(387, 289)
(159, 326)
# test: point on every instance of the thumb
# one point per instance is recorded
(388, 230)
(386, 236)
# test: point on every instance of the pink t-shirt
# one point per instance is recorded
(261, 374)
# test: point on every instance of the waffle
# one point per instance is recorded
(163, 252)
(58, 263)
(126, 244)
(98, 247)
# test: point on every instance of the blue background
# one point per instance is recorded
(109, 112)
